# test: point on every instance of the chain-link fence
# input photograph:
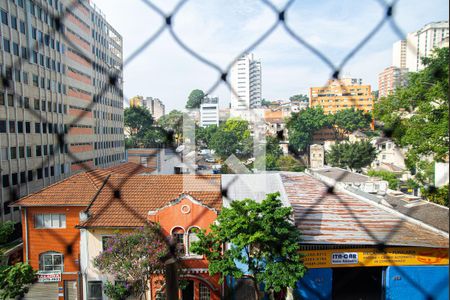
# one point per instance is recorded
(113, 83)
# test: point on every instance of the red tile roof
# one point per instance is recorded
(344, 218)
(126, 201)
(78, 189)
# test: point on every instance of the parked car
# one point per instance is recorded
(210, 160)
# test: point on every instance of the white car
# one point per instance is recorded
(210, 160)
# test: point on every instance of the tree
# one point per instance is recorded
(6, 229)
(203, 135)
(14, 280)
(232, 137)
(416, 116)
(195, 99)
(259, 235)
(351, 120)
(265, 102)
(289, 163)
(137, 119)
(390, 177)
(155, 137)
(134, 257)
(172, 123)
(354, 156)
(299, 97)
(302, 125)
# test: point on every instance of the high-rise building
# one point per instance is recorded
(209, 111)
(390, 79)
(154, 105)
(246, 83)
(408, 53)
(342, 94)
(61, 85)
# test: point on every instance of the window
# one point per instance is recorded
(204, 292)
(95, 290)
(4, 17)
(50, 221)
(192, 237)
(178, 237)
(13, 153)
(51, 261)
(14, 22)
(22, 27)
(6, 45)
(105, 240)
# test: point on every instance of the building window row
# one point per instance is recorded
(30, 175)
(108, 144)
(43, 221)
(109, 159)
(108, 130)
(107, 116)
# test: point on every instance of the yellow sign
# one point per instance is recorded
(372, 257)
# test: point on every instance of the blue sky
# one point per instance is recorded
(219, 30)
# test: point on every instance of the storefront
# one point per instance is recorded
(371, 273)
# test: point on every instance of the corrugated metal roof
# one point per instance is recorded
(344, 218)
(253, 186)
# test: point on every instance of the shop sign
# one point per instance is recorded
(372, 257)
(49, 276)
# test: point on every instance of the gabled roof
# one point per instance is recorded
(125, 201)
(78, 189)
(345, 218)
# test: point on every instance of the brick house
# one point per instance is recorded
(50, 239)
(181, 204)
(62, 246)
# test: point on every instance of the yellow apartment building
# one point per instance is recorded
(342, 94)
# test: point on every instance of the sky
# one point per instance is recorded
(219, 30)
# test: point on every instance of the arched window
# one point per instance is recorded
(192, 237)
(205, 294)
(51, 261)
(178, 237)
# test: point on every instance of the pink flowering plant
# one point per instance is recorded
(134, 257)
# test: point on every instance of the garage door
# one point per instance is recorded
(43, 291)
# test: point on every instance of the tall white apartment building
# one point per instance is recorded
(246, 83)
(407, 53)
(209, 112)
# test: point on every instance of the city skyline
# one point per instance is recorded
(227, 29)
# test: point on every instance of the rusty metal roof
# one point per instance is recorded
(341, 217)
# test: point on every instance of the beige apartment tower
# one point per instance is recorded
(342, 94)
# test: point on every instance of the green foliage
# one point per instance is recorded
(195, 99)
(117, 291)
(289, 163)
(300, 97)
(203, 135)
(390, 177)
(302, 126)
(436, 195)
(137, 119)
(354, 156)
(232, 137)
(14, 280)
(265, 103)
(260, 236)
(352, 119)
(6, 229)
(172, 123)
(416, 116)
(134, 256)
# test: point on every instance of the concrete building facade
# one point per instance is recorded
(246, 83)
(209, 112)
(342, 94)
(53, 79)
(407, 53)
(154, 105)
(390, 79)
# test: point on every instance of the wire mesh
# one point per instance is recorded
(113, 75)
